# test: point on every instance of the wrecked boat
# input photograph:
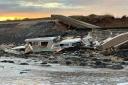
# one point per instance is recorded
(41, 44)
(67, 43)
(86, 42)
(15, 50)
(54, 44)
(33, 45)
(115, 44)
(90, 42)
(47, 44)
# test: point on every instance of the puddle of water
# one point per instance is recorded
(126, 83)
(25, 82)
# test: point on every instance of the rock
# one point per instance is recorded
(116, 67)
(51, 58)
(124, 63)
(68, 62)
(91, 55)
(72, 58)
(24, 64)
(35, 61)
(44, 62)
(46, 65)
(125, 59)
(99, 64)
(7, 61)
(22, 72)
(106, 60)
(95, 59)
(46, 56)
(55, 61)
(2, 52)
(83, 64)
(90, 63)
(26, 70)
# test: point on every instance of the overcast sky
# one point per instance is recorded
(41, 8)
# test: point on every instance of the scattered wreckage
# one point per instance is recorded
(53, 44)
(111, 45)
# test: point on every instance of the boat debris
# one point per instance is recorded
(53, 44)
(115, 44)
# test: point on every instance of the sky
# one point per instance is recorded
(18, 9)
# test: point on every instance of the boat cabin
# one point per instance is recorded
(41, 44)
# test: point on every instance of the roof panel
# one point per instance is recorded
(40, 39)
(73, 22)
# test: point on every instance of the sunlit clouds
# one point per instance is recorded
(42, 8)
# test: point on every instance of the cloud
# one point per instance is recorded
(41, 5)
(84, 7)
(52, 4)
(36, 6)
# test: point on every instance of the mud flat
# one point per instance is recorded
(31, 71)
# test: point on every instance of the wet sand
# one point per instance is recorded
(55, 74)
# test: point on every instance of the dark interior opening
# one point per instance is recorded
(44, 44)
